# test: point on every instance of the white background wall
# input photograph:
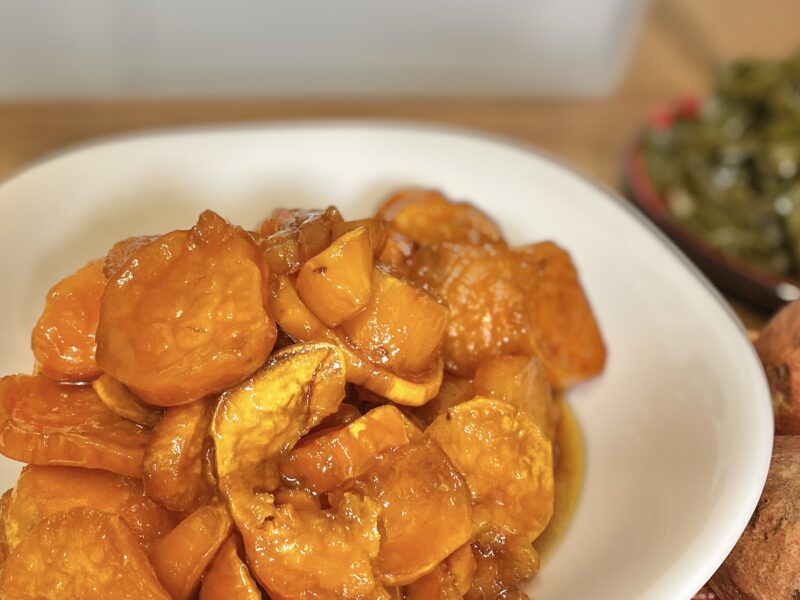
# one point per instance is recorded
(107, 48)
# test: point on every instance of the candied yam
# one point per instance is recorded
(299, 498)
(336, 283)
(461, 564)
(507, 462)
(396, 252)
(324, 461)
(402, 327)
(428, 217)
(498, 575)
(375, 227)
(44, 423)
(228, 578)
(175, 458)
(183, 555)
(294, 236)
(302, 325)
(63, 339)
(317, 554)
(344, 415)
(4, 548)
(454, 390)
(258, 421)
(487, 308)
(425, 510)
(185, 317)
(82, 554)
(121, 401)
(562, 330)
(436, 585)
(521, 381)
(122, 251)
(44, 491)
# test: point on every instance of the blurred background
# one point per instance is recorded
(577, 78)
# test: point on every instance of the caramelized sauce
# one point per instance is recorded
(568, 480)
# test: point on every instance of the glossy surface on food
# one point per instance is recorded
(328, 459)
(425, 510)
(521, 381)
(428, 217)
(337, 283)
(181, 558)
(63, 339)
(174, 465)
(121, 401)
(507, 462)
(42, 492)
(44, 423)
(255, 423)
(80, 554)
(185, 316)
(402, 327)
(562, 330)
(228, 578)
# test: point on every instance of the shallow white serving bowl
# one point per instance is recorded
(678, 429)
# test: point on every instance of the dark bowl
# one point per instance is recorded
(752, 284)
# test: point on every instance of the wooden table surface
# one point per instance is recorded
(679, 45)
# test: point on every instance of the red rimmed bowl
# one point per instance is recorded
(758, 287)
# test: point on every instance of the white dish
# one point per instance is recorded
(678, 429)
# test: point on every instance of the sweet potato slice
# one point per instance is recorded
(182, 556)
(82, 554)
(44, 491)
(186, 318)
(257, 422)
(436, 585)
(425, 510)
(302, 325)
(402, 327)
(521, 381)
(44, 423)
(175, 458)
(317, 554)
(293, 236)
(498, 575)
(228, 578)
(375, 226)
(336, 283)
(4, 548)
(562, 330)
(454, 390)
(63, 339)
(122, 251)
(507, 462)
(324, 461)
(428, 217)
(487, 308)
(121, 401)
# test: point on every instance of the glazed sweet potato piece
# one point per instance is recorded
(402, 327)
(302, 325)
(228, 578)
(121, 401)
(487, 308)
(450, 579)
(562, 330)
(122, 251)
(43, 423)
(82, 554)
(498, 575)
(324, 461)
(4, 549)
(255, 423)
(507, 462)
(521, 381)
(44, 491)
(454, 390)
(291, 237)
(375, 226)
(317, 554)
(63, 339)
(175, 458)
(182, 556)
(336, 283)
(425, 510)
(188, 319)
(428, 217)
